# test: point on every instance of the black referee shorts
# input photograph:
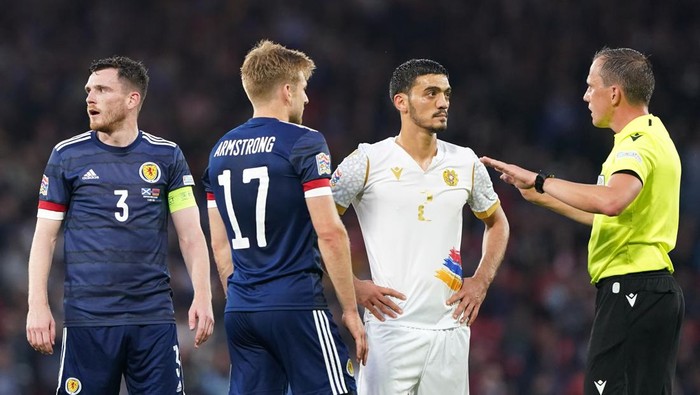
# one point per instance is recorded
(635, 335)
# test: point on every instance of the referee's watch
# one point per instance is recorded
(539, 180)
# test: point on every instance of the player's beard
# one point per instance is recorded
(427, 124)
(109, 121)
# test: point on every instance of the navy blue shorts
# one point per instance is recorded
(270, 350)
(93, 360)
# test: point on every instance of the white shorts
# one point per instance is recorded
(410, 361)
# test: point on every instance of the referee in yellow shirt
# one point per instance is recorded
(633, 211)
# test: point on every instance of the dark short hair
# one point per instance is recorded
(132, 70)
(630, 69)
(405, 75)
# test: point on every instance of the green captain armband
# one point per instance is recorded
(181, 198)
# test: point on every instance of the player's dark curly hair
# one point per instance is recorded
(630, 69)
(132, 70)
(405, 75)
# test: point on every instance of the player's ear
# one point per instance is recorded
(133, 100)
(401, 102)
(287, 92)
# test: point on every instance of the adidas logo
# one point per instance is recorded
(600, 386)
(90, 175)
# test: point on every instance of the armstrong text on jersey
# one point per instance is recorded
(245, 146)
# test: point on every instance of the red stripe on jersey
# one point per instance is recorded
(210, 196)
(320, 183)
(44, 205)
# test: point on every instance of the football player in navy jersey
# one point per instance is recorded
(112, 187)
(272, 219)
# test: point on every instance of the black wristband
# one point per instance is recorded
(539, 180)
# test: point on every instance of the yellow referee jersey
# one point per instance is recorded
(640, 238)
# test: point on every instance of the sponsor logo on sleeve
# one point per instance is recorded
(336, 177)
(323, 163)
(44, 188)
(629, 154)
(188, 180)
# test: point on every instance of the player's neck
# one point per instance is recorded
(271, 111)
(120, 137)
(421, 146)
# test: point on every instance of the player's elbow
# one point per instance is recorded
(219, 247)
(613, 208)
(332, 233)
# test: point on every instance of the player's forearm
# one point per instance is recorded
(196, 256)
(220, 245)
(40, 258)
(336, 255)
(224, 263)
(39, 268)
(494, 246)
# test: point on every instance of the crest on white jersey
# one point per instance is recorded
(450, 177)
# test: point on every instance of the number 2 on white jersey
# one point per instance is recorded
(239, 241)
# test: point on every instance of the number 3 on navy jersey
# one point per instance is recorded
(239, 242)
(121, 204)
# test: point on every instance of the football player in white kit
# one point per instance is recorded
(409, 192)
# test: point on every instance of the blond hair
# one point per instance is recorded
(269, 64)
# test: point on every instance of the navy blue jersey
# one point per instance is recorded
(114, 201)
(259, 175)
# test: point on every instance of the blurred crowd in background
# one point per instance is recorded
(518, 70)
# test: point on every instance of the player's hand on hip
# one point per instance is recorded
(468, 300)
(377, 299)
(354, 324)
(41, 329)
(201, 317)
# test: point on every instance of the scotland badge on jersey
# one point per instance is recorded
(73, 386)
(149, 172)
(323, 163)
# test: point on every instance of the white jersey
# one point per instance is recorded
(411, 222)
